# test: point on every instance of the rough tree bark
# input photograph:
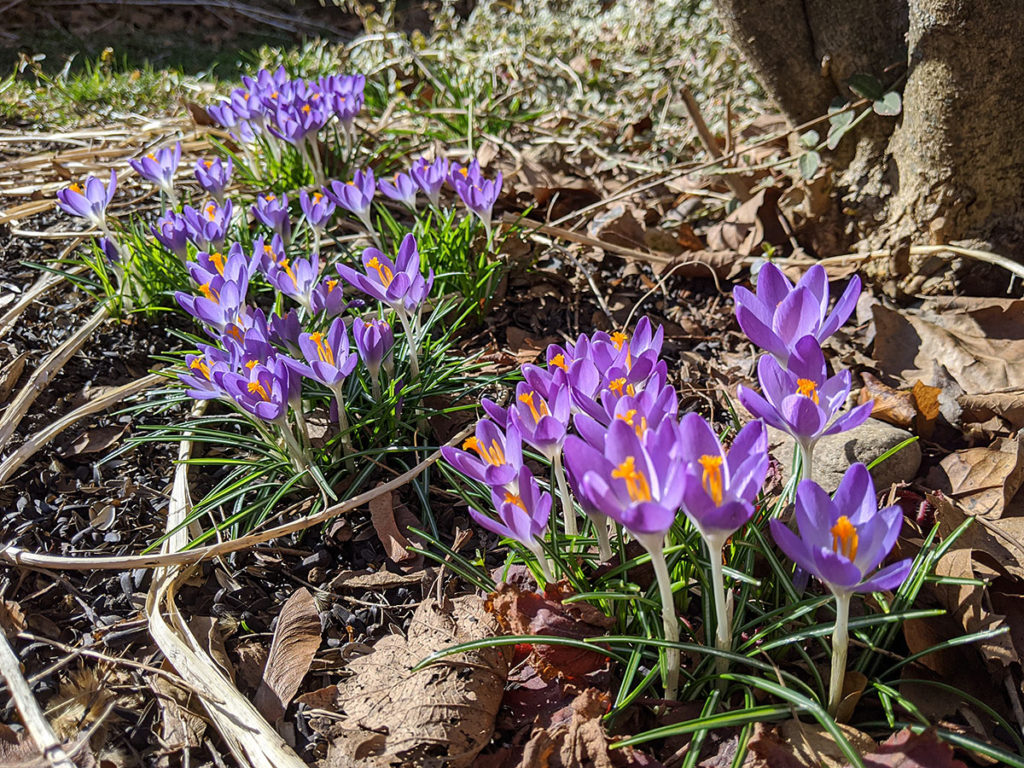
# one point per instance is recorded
(951, 167)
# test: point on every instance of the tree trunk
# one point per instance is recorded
(952, 166)
(958, 148)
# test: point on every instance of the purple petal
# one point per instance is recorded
(798, 315)
(843, 309)
(772, 286)
(759, 407)
(835, 570)
(851, 420)
(889, 578)
(791, 545)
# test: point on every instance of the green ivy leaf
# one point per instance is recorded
(866, 86)
(809, 164)
(890, 104)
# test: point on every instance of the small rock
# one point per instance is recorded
(834, 454)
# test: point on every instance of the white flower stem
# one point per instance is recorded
(343, 427)
(542, 560)
(840, 645)
(365, 219)
(604, 545)
(414, 363)
(299, 459)
(723, 618)
(668, 612)
(806, 460)
(375, 385)
(568, 511)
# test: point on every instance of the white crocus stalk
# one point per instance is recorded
(840, 646)
(568, 510)
(654, 544)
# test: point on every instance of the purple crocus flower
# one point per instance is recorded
(272, 211)
(802, 400)
(286, 329)
(109, 249)
(719, 487)
(295, 279)
(375, 341)
(399, 283)
(159, 167)
(644, 411)
(328, 297)
(298, 121)
(542, 422)
(204, 372)
(780, 314)
(479, 195)
(356, 195)
(220, 303)
(214, 176)
(90, 202)
(400, 187)
(208, 228)
(327, 356)
(262, 390)
(843, 540)
(317, 208)
(638, 485)
(490, 456)
(171, 232)
(430, 176)
(522, 516)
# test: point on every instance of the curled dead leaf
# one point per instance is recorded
(892, 405)
(296, 640)
(982, 480)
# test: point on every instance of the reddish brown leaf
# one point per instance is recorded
(753, 223)
(385, 517)
(528, 613)
(892, 405)
(909, 750)
(295, 642)
(926, 399)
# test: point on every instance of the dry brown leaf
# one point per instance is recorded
(753, 223)
(928, 402)
(1007, 404)
(180, 725)
(442, 715)
(907, 749)
(205, 630)
(980, 342)
(364, 580)
(385, 517)
(524, 346)
(617, 226)
(579, 742)
(558, 202)
(296, 640)
(95, 440)
(982, 480)
(896, 406)
(795, 744)
(12, 618)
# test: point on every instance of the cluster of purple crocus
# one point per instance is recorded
(259, 361)
(602, 407)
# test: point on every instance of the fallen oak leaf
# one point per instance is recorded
(441, 715)
(895, 406)
(1007, 404)
(296, 640)
(982, 480)
(384, 515)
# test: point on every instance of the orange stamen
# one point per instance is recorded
(640, 426)
(209, 293)
(636, 483)
(712, 478)
(807, 388)
(528, 399)
(494, 455)
(217, 259)
(844, 538)
(250, 364)
(515, 498)
(559, 362)
(383, 270)
(199, 365)
(616, 385)
(255, 386)
(619, 338)
(76, 188)
(305, 108)
(323, 348)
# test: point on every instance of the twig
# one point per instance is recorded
(32, 716)
(18, 556)
(738, 187)
(42, 375)
(39, 287)
(11, 464)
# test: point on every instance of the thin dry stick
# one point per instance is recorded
(11, 464)
(39, 287)
(736, 184)
(44, 374)
(251, 739)
(18, 556)
(35, 722)
(575, 237)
